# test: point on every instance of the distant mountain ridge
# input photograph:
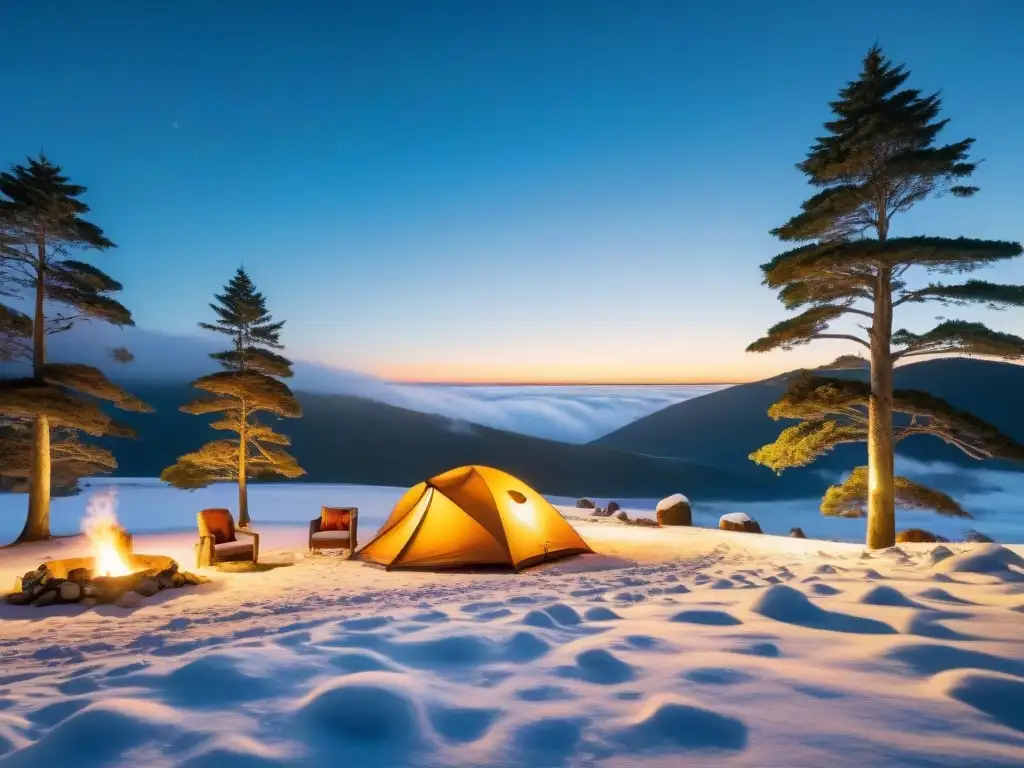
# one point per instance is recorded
(693, 430)
(348, 439)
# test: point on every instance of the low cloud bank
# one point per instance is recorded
(569, 414)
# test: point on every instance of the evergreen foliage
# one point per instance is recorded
(878, 158)
(42, 229)
(246, 390)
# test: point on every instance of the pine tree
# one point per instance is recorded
(879, 158)
(246, 388)
(42, 413)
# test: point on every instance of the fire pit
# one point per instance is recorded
(113, 574)
(75, 580)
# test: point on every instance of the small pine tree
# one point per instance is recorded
(879, 158)
(246, 388)
(42, 414)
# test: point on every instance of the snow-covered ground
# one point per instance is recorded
(668, 647)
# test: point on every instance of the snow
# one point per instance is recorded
(674, 646)
(735, 517)
(671, 501)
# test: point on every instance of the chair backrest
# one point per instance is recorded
(217, 523)
(337, 518)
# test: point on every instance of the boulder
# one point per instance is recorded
(739, 522)
(916, 536)
(70, 592)
(613, 507)
(622, 516)
(129, 600)
(147, 587)
(674, 510)
(79, 574)
(797, 533)
(585, 504)
(977, 537)
(19, 598)
(44, 599)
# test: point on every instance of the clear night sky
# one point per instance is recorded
(488, 190)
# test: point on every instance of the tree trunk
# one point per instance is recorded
(881, 467)
(37, 524)
(243, 495)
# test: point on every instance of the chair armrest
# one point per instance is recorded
(255, 542)
(205, 544)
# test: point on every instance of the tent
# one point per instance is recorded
(472, 516)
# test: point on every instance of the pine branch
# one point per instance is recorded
(29, 398)
(992, 295)
(91, 381)
(802, 329)
(959, 337)
(802, 443)
(849, 498)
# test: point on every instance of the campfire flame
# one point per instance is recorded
(104, 534)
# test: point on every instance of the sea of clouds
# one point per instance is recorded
(566, 413)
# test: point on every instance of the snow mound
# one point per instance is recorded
(103, 732)
(370, 711)
(600, 613)
(887, 596)
(999, 696)
(668, 724)
(598, 666)
(990, 559)
(791, 606)
(671, 501)
(708, 618)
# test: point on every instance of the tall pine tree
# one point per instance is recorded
(42, 413)
(246, 389)
(878, 159)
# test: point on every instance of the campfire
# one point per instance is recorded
(112, 574)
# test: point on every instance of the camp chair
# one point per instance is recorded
(334, 529)
(218, 540)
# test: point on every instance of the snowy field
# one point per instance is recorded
(668, 647)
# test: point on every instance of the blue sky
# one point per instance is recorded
(487, 190)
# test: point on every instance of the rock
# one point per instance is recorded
(70, 592)
(178, 580)
(44, 599)
(19, 598)
(88, 602)
(645, 522)
(79, 574)
(738, 522)
(165, 580)
(622, 516)
(598, 512)
(797, 533)
(916, 536)
(674, 510)
(129, 600)
(585, 504)
(977, 537)
(88, 591)
(613, 507)
(147, 587)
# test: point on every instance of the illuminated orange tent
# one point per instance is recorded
(472, 516)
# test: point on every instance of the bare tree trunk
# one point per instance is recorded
(881, 466)
(243, 494)
(37, 524)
